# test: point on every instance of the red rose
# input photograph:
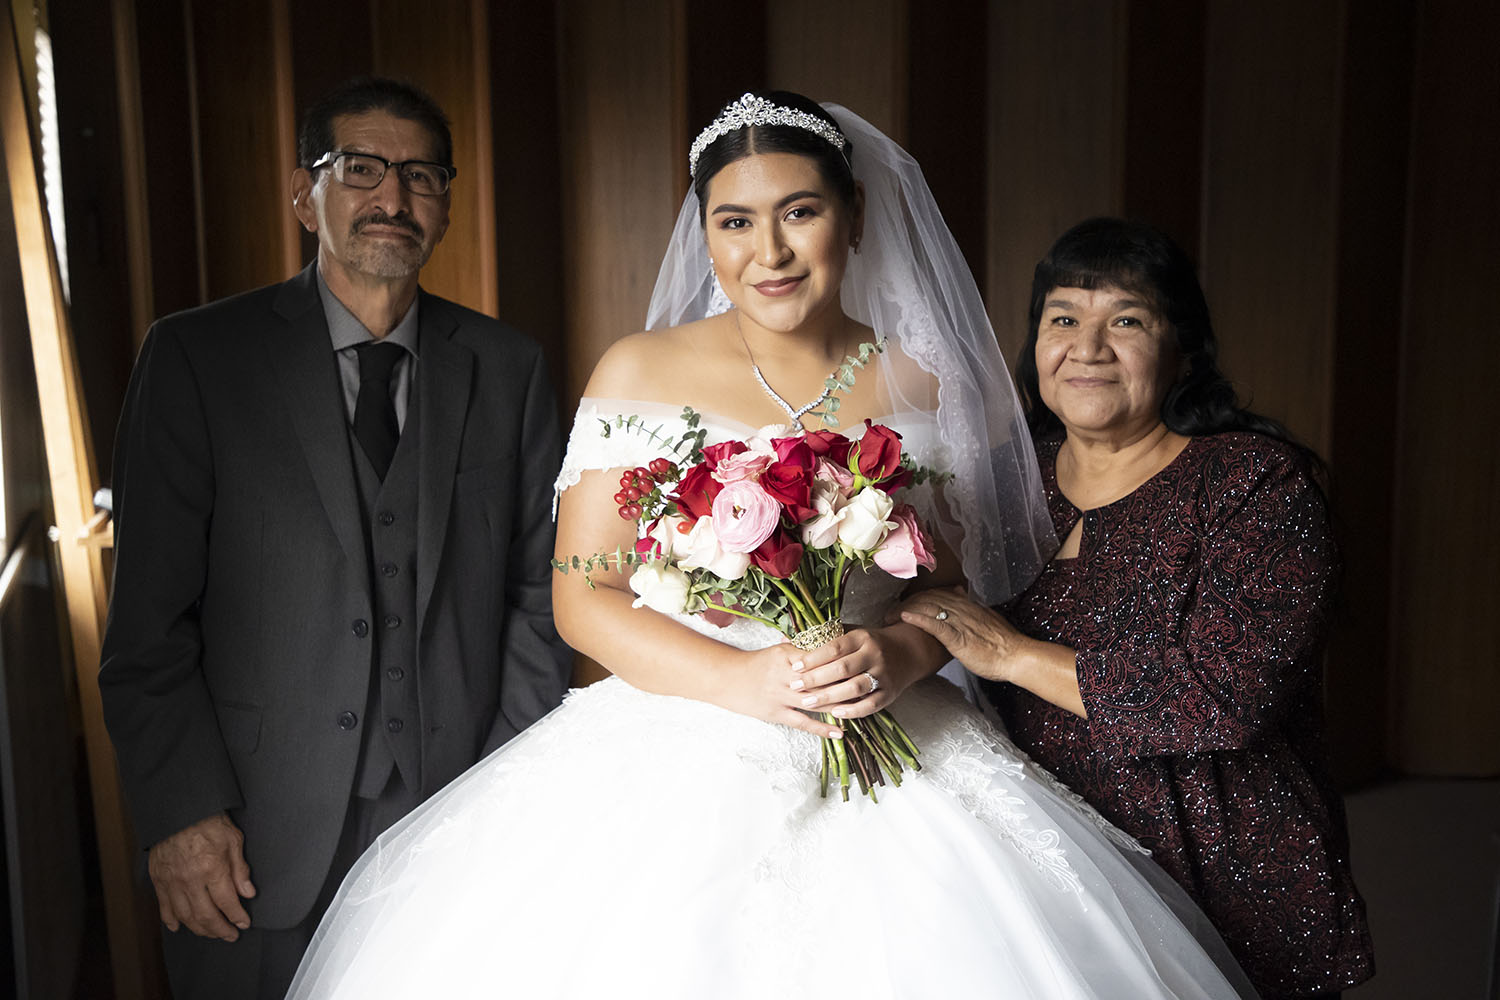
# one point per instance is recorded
(647, 546)
(716, 453)
(778, 555)
(696, 491)
(879, 452)
(830, 445)
(791, 486)
(795, 451)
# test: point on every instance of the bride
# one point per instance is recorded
(662, 834)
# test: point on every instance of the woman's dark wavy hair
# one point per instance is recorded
(832, 164)
(1106, 252)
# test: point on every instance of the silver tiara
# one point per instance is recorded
(750, 111)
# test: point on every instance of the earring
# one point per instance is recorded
(854, 243)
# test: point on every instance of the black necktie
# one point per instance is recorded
(375, 426)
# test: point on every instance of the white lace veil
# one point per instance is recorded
(910, 284)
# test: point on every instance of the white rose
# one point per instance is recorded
(703, 551)
(823, 530)
(864, 521)
(662, 588)
(673, 542)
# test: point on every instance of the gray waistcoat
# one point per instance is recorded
(392, 735)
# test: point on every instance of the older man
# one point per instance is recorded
(331, 586)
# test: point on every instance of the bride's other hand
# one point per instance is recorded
(864, 670)
(763, 689)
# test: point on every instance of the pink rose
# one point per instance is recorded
(746, 465)
(837, 474)
(744, 516)
(906, 547)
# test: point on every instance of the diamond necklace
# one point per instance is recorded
(795, 414)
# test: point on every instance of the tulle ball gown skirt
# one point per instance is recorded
(636, 845)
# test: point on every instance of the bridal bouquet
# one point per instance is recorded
(769, 529)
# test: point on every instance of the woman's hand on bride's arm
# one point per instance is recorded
(864, 670)
(988, 645)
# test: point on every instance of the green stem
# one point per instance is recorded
(797, 605)
(811, 601)
(732, 611)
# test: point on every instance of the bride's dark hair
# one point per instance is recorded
(832, 164)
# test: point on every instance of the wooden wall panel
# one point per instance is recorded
(165, 101)
(846, 51)
(948, 92)
(1055, 138)
(527, 177)
(624, 160)
(1269, 205)
(1447, 595)
(446, 51)
(244, 141)
(1163, 144)
(1374, 134)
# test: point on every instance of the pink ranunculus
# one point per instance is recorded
(745, 465)
(906, 547)
(744, 516)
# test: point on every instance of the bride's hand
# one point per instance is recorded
(863, 670)
(762, 687)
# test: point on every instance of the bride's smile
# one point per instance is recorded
(779, 238)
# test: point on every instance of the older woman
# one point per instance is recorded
(1167, 662)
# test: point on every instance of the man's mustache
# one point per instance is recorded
(381, 219)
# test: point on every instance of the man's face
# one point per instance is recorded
(380, 232)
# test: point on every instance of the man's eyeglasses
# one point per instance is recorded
(366, 170)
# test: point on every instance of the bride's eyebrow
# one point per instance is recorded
(742, 210)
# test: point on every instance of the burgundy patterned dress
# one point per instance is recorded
(1198, 606)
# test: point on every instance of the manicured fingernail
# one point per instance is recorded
(841, 711)
(799, 666)
(798, 684)
(809, 701)
(835, 734)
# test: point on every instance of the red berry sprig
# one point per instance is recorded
(634, 484)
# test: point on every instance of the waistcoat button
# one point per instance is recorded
(360, 628)
(348, 720)
(394, 725)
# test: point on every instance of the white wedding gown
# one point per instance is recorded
(638, 845)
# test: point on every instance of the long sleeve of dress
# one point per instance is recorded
(1206, 654)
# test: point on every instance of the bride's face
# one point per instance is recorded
(779, 239)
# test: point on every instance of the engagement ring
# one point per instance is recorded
(874, 684)
(941, 616)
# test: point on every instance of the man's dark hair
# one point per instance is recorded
(371, 93)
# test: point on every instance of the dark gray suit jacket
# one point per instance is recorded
(235, 642)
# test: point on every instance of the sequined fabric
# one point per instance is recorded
(1198, 607)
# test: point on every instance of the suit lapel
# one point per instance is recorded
(446, 369)
(302, 357)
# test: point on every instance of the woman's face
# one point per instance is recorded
(778, 237)
(1105, 360)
